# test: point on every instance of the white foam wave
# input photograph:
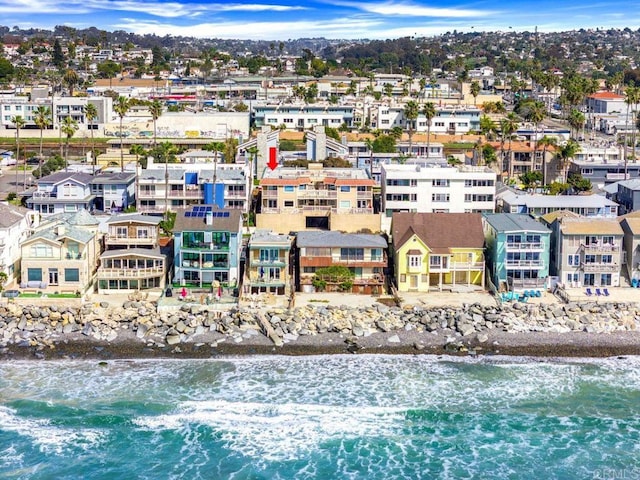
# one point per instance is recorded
(279, 432)
(50, 438)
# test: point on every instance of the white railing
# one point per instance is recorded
(524, 263)
(524, 246)
(129, 272)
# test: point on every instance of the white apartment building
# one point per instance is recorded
(449, 119)
(427, 188)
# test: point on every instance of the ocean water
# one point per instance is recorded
(321, 417)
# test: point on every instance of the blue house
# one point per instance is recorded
(63, 192)
(207, 243)
(517, 251)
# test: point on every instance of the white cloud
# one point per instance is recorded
(346, 28)
(410, 9)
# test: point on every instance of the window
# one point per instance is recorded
(288, 203)
(589, 259)
(143, 232)
(71, 275)
(41, 251)
(317, 252)
(269, 254)
(607, 259)
(440, 182)
(415, 261)
(121, 232)
(288, 188)
(376, 254)
(605, 279)
(574, 260)
(345, 203)
(345, 188)
(349, 254)
(439, 197)
(34, 274)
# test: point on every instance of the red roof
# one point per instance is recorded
(606, 96)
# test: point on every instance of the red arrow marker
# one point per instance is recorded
(273, 163)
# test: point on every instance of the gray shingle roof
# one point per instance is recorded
(339, 239)
(135, 218)
(514, 222)
(10, 215)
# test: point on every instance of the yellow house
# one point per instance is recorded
(437, 251)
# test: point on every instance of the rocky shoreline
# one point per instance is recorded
(137, 330)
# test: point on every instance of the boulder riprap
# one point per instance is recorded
(44, 326)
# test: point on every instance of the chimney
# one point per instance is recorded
(208, 218)
(60, 230)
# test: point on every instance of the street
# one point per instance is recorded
(8, 181)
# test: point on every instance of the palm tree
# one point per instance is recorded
(546, 142)
(535, 114)
(70, 77)
(566, 153)
(429, 112)
(121, 108)
(253, 151)
(91, 112)
(632, 95)
(166, 150)
(488, 127)
(576, 121)
(69, 127)
(19, 122)
(42, 119)
(155, 109)
(508, 126)
(475, 90)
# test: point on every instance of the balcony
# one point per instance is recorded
(147, 194)
(618, 176)
(524, 263)
(600, 267)
(45, 194)
(256, 262)
(123, 273)
(304, 194)
(210, 265)
(117, 240)
(205, 246)
(530, 246)
(600, 247)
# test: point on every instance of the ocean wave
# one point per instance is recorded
(47, 436)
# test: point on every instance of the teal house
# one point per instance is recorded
(207, 244)
(517, 251)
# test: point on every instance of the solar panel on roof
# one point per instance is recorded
(187, 214)
(226, 214)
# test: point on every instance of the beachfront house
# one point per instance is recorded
(588, 251)
(536, 205)
(295, 199)
(440, 251)
(365, 255)
(630, 225)
(517, 251)
(207, 244)
(268, 267)
(15, 223)
(60, 257)
(132, 259)
(114, 191)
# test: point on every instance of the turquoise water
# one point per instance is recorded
(337, 417)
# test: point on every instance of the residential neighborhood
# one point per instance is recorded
(241, 185)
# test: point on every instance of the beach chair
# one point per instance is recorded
(605, 292)
(588, 292)
(538, 293)
(598, 292)
(634, 283)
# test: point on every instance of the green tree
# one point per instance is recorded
(109, 69)
(475, 90)
(71, 79)
(19, 122)
(42, 119)
(6, 69)
(546, 142)
(69, 128)
(429, 112)
(57, 57)
(411, 111)
(531, 179)
(121, 107)
(579, 183)
(155, 109)
(384, 144)
(566, 153)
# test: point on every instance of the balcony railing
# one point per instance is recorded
(600, 267)
(122, 273)
(256, 262)
(524, 263)
(151, 208)
(524, 246)
(118, 240)
(45, 195)
(318, 194)
(600, 247)
(204, 265)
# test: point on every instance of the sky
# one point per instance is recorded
(336, 19)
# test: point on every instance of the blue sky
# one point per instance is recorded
(289, 19)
